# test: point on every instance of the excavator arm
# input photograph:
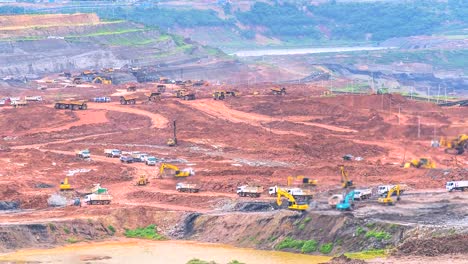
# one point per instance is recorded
(177, 171)
(345, 182)
(388, 199)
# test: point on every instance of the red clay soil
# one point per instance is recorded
(244, 140)
(435, 246)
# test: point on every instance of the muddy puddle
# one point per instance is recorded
(142, 251)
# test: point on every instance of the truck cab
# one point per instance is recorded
(151, 161)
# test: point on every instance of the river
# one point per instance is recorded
(144, 251)
(266, 52)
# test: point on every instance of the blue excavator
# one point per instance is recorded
(346, 204)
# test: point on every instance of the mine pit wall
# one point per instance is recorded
(261, 230)
(266, 230)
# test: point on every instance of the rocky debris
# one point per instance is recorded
(435, 246)
(253, 207)
(43, 185)
(342, 259)
(12, 205)
(185, 227)
(57, 200)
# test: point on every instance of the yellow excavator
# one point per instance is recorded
(292, 204)
(388, 199)
(455, 146)
(65, 185)
(420, 163)
(177, 171)
(345, 182)
(102, 80)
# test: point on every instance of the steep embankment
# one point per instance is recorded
(38, 44)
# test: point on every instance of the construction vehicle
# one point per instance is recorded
(335, 199)
(362, 194)
(175, 169)
(19, 103)
(131, 88)
(102, 80)
(456, 146)
(251, 191)
(347, 203)
(161, 88)
(142, 180)
(421, 163)
(95, 198)
(456, 185)
(153, 96)
(102, 99)
(83, 154)
(150, 161)
(77, 80)
(126, 159)
(65, 185)
(221, 95)
(279, 91)
(71, 104)
(292, 204)
(272, 190)
(187, 187)
(112, 153)
(35, 98)
(301, 180)
(187, 96)
(172, 142)
(345, 182)
(128, 99)
(388, 200)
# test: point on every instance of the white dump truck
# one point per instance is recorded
(187, 187)
(383, 189)
(35, 98)
(112, 153)
(335, 199)
(362, 194)
(456, 185)
(95, 198)
(251, 191)
(273, 190)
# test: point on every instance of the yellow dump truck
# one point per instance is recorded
(71, 104)
(128, 99)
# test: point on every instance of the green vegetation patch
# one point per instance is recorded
(111, 229)
(368, 254)
(72, 240)
(305, 246)
(326, 248)
(382, 235)
(148, 232)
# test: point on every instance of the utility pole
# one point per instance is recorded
(419, 126)
(399, 112)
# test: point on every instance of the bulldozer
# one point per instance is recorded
(65, 185)
(142, 180)
(175, 169)
(345, 182)
(456, 146)
(388, 199)
(292, 203)
(420, 163)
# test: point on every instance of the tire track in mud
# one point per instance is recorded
(220, 110)
(157, 120)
